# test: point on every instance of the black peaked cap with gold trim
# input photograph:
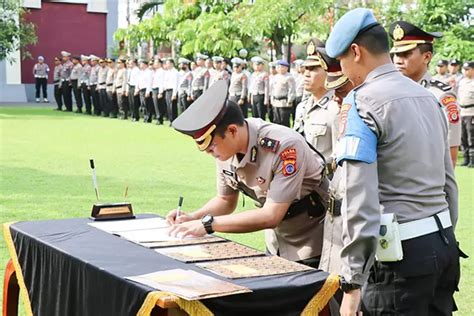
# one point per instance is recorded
(407, 36)
(202, 117)
(335, 78)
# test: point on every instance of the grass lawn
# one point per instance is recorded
(45, 174)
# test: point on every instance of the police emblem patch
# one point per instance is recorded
(289, 167)
(398, 33)
(289, 161)
(451, 108)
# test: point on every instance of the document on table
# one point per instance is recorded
(130, 225)
(189, 284)
(147, 235)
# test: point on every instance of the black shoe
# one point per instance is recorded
(159, 123)
(88, 112)
(134, 120)
(78, 111)
(57, 109)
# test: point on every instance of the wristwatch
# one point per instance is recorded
(206, 221)
(346, 286)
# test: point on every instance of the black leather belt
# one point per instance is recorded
(281, 98)
(466, 106)
(110, 84)
(102, 82)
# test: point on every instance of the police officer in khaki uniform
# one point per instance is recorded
(40, 72)
(221, 72)
(319, 118)
(466, 101)
(111, 108)
(238, 86)
(184, 85)
(75, 82)
(396, 167)
(259, 88)
(102, 85)
(442, 71)
(283, 94)
(65, 76)
(93, 83)
(84, 81)
(200, 76)
(57, 83)
(270, 163)
(332, 244)
(412, 51)
(120, 83)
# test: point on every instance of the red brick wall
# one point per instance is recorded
(64, 26)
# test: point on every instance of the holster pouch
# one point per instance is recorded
(389, 246)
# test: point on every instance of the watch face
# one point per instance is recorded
(206, 218)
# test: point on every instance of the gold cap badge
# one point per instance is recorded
(311, 48)
(398, 33)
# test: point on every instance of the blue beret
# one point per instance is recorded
(347, 29)
(283, 63)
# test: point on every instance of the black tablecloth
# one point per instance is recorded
(71, 268)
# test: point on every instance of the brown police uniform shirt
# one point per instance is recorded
(280, 167)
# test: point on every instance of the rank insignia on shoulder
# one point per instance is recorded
(440, 85)
(269, 143)
(253, 154)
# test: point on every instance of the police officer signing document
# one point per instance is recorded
(271, 164)
(401, 200)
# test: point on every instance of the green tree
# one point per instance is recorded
(15, 32)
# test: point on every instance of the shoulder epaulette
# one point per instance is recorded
(440, 85)
(268, 143)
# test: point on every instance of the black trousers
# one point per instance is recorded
(110, 104)
(271, 116)
(196, 94)
(103, 100)
(58, 96)
(467, 135)
(41, 84)
(67, 94)
(171, 105)
(76, 88)
(122, 102)
(244, 107)
(133, 103)
(86, 95)
(282, 115)
(422, 284)
(147, 103)
(183, 102)
(95, 99)
(259, 108)
(159, 105)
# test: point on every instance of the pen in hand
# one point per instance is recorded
(180, 204)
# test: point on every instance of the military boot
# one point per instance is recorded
(471, 159)
(466, 159)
